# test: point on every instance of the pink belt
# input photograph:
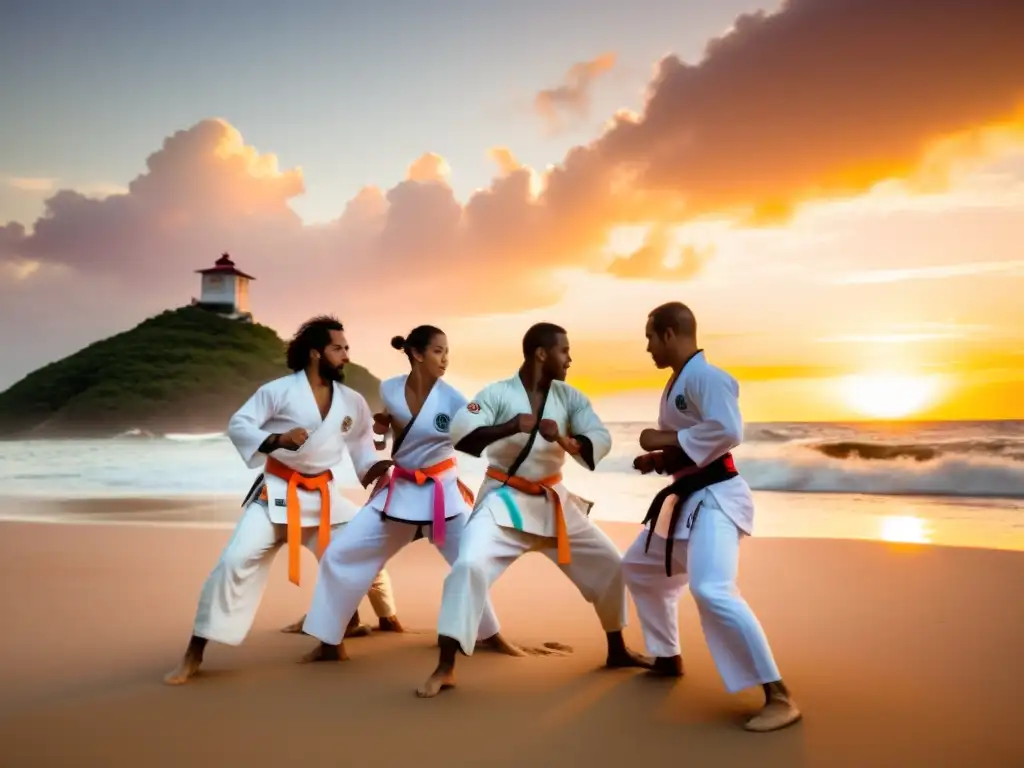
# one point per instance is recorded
(421, 476)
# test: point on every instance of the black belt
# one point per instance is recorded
(691, 481)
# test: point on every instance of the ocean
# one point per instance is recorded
(957, 483)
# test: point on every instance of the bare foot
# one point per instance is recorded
(390, 624)
(626, 659)
(498, 644)
(778, 713)
(295, 628)
(442, 680)
(356, 628)
(359, 630)
(668, 666)
(187, 669)
(324, 652)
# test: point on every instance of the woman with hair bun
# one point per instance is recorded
(421, 496)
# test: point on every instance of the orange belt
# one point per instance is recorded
(543, 487)
(296, 480)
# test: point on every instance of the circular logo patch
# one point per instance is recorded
(346, 425)
(680, 403)
(442, 422)
(473, 407)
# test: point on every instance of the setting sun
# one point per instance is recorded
(889, 396)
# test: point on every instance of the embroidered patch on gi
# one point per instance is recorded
(346, 424)
(280, 503)
(442, 422)
(473, 407)
(680, 403)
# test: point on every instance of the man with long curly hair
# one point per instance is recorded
(297, 428)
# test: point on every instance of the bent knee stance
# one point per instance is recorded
(718, 597)
(632, 572)
(470, 571)
(229, 598)
(354, 568)
(333, 561)
(237, 564)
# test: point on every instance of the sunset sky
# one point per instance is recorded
(835, 186)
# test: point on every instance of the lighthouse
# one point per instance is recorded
(225, 290)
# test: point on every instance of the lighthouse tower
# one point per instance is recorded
(225, 290)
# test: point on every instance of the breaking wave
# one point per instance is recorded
(192, 438)
(957, 461)
(918, 470)
(800, 458)
(1003, 448)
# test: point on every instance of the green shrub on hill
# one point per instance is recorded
(185, 370)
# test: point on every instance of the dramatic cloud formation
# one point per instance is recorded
(572, 98)
(823, 98)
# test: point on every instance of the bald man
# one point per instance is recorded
(695, 524)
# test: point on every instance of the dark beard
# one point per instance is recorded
(329, 373)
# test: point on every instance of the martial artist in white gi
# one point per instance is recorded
(695, 525)
(422, 495)
(523, 506)
(299, 429)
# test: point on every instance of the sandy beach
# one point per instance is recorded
(900, 655)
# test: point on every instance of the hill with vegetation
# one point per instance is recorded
(185, 370)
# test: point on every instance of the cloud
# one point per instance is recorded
(660, 257)
(12, 237)
(505, 160)
(26, 184)
(1015, 267)
(824, 98)
(429, 168)
(821, 99)
(572, 98)
(34, 187)
(889, 338)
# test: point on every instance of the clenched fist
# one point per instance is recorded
(293, 439)
(549, 430)
(526, 422)
(381, 423)
(570, 445)
(649, 462)
(652, 440)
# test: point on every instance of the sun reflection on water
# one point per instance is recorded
(905, 528)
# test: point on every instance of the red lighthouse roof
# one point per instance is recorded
(224, 266)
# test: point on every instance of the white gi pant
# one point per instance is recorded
(488, 550)
(234, 589)
(709, 560)
(360, 551)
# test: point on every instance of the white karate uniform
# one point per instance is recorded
(702, 405)
(506, 523)
(370, 540)
(234, 589)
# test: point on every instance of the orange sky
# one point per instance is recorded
(824, 221)
(895, 282)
